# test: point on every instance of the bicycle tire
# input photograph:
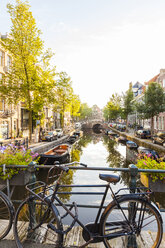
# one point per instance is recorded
(113, 222)
(6, 215)
(31, 224)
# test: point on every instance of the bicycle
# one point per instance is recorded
(125, 222)
(6, 215)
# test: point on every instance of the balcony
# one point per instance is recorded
(7, 113)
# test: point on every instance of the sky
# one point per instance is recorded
(103, 45)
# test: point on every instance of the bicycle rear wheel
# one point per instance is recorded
(31, 224)
(138, 215)
(6, 215)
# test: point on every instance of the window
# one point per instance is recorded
(8, 62)
(163, 83)
(1, 104)
(2, 56)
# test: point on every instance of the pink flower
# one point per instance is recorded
(144, 163)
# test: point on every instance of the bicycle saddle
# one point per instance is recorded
(110, 178)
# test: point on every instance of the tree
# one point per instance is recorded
(27, 81)
(154, 102)
(85, 111)
(64, 94)
(112, 109)
(128, 105)
(75, 105)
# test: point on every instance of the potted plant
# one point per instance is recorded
(13, 155)
(155, 181)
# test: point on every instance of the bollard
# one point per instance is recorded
(131, 242)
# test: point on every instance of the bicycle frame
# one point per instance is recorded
(93, 234)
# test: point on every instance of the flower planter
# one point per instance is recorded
(157, 186)
(22, 178)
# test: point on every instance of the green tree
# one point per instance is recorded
(75, 106)
(85, 111)
(26, 80)
(112, 109)
(64, 92)
(128, 105)
(106, 113)
(154, 102)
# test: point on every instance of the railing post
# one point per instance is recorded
(132, 184)
(32, 170)
(133, 174)
(32, 204)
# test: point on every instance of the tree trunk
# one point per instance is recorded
(152, 125)
(30, 126)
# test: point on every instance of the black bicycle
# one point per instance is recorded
(6, 215)
(128, 221)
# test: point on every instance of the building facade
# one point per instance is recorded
(10, 114)
(159, 121)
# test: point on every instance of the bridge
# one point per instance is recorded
(95, 124)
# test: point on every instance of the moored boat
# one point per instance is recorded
(147, 152)
(132, 145)
(72, 139)
(121, 139)
(59, 153)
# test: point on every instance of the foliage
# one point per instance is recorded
(85, 111)
(13, 155)
(112, 109)
(154, 102)
(147, 162)
(75, 105)
(26, 80)
(127, 103)
(64, 92)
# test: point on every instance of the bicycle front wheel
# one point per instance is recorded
(136, 223)
(31, 224)
(6, 215)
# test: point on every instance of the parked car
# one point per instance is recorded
(143, 134)
(59, 132)
(159, 138)
(49, 136)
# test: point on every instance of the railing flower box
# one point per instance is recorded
(156, 186)
(13, 161)
(155, 181)
(22, 178)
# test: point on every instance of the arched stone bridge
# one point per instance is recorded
(94, 124)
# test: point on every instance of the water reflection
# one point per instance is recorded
(95, 150)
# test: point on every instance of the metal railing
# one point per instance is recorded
(132, 170)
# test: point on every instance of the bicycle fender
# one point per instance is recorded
(155, 206)
(57, 214)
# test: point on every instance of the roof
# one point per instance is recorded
(152, 80)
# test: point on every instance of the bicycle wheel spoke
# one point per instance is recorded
(31, 224)
(6, 215)
(130, 223)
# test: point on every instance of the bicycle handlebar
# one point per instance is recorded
(63, 167)
(75, 162)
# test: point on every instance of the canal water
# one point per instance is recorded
(95, 150)
(98, 150)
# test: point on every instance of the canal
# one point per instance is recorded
(98, 150)
(95, 150)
